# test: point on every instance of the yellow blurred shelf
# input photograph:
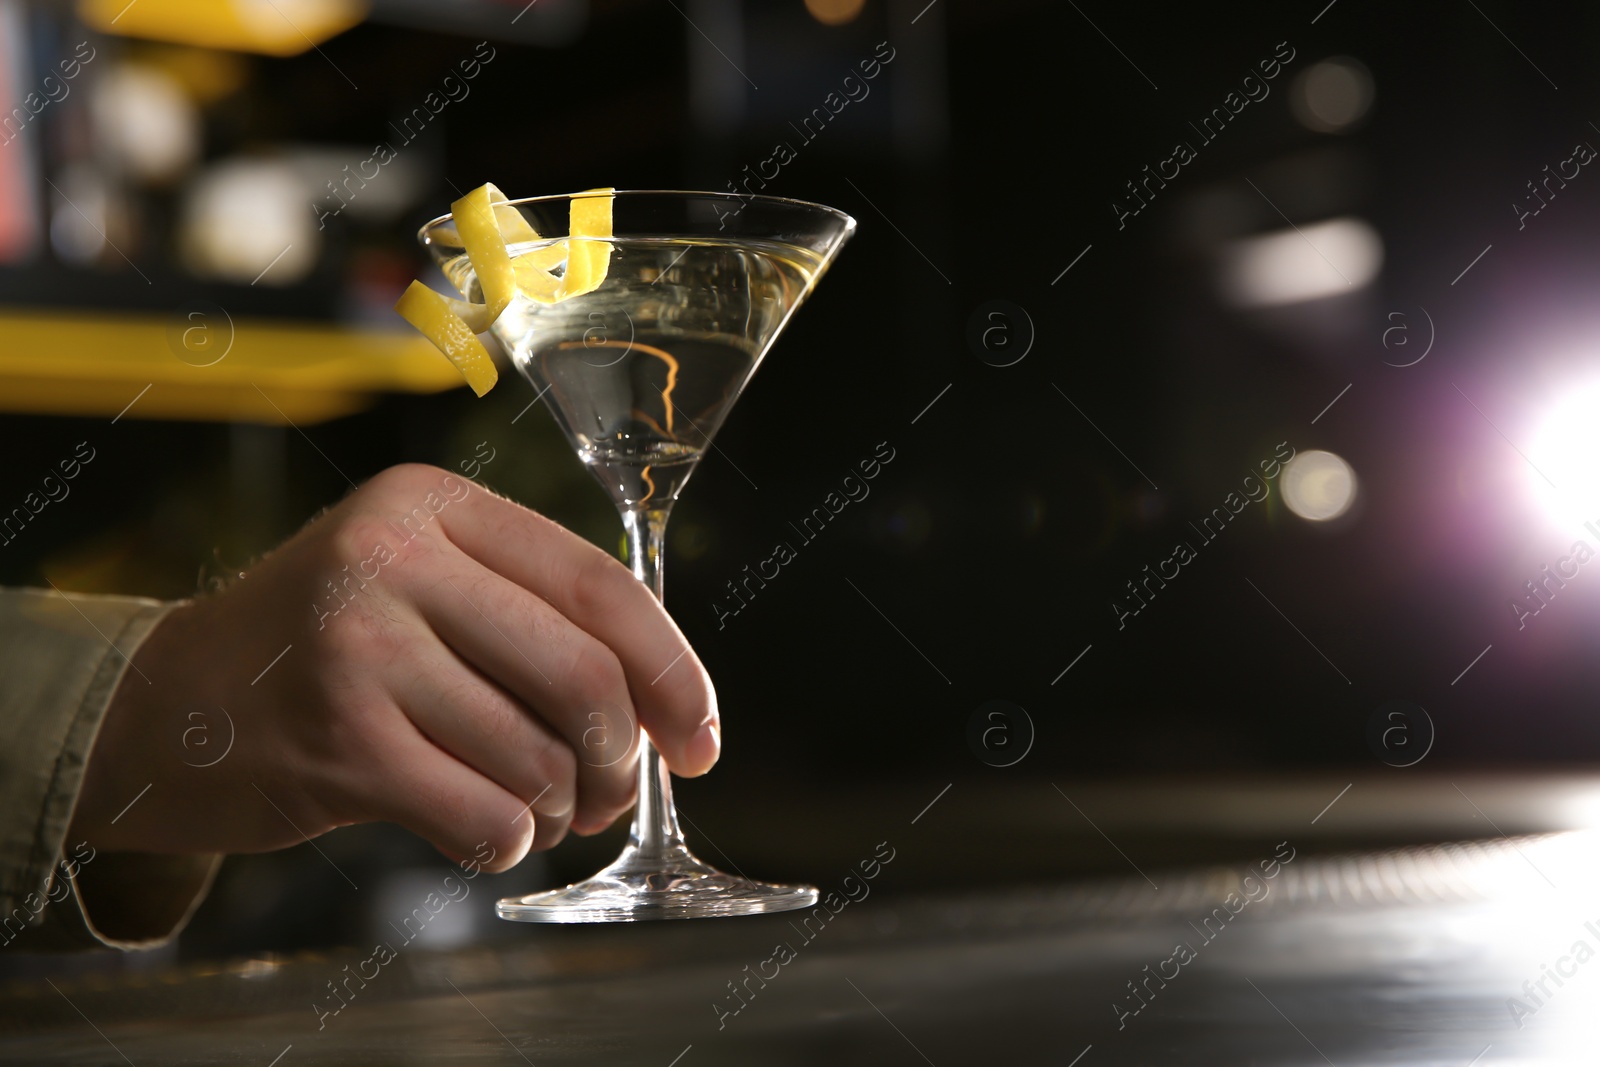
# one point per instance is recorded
(271, 372)
(237, 25)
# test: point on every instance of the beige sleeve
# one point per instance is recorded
(61, 658)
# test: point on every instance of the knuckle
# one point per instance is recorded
(353, 537)
(403, 479)
(610, 735)
(599, 583)
(499, 723)
(596, 671)
(554, 767)
(613, 790)
(402, 507)
(481, 706)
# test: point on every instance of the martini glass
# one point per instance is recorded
(640, 373)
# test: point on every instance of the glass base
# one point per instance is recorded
(670, 886)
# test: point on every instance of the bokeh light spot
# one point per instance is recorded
(1318, 485)
(1333, 95)
(834, 12)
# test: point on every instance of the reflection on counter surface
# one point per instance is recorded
(1414, 956)
(1286, 948)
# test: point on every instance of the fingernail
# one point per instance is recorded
(706, 745)
(553, 806)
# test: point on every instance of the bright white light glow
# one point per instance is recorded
(144, 117)
(1324, 259)
(246, 220)
(1318, 485)
(1565, 450)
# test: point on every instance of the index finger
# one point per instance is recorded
(670, 688)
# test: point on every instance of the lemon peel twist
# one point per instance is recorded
(486, 224)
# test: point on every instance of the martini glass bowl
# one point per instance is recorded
(639, 373)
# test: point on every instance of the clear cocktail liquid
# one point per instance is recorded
(641, 372)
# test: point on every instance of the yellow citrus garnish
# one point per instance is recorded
(589, 216)
(486, 224)
(434, 316)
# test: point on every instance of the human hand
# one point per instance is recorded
(447, 660)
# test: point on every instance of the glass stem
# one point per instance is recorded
(655, 822)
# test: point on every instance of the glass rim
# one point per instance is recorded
(744, 198)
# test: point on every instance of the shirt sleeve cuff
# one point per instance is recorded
(61, 659)
(130, 900)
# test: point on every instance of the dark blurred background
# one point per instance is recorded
(1069, 385)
